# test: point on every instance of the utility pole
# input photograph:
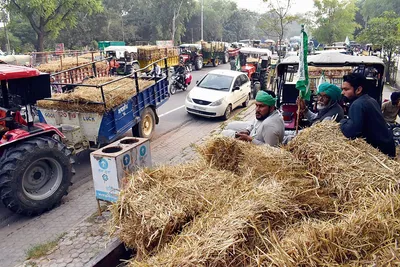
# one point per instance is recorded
(202, 19)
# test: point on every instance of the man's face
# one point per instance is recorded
(348, 91)
(262, 111)
(323, 101)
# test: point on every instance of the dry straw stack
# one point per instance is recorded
(345, 168)
(154, 53)
(70, 62)
(327, 202)
(79, 99)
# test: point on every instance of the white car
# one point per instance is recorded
(218, 93)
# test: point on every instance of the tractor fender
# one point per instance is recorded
(14, 136)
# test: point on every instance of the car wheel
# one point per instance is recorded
(228, 112)
(246, 103)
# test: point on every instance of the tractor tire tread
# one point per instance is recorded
(9, 163)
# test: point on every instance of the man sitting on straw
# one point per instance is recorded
(268, 126)
(327, 105)
(365, 119)
(391, 109)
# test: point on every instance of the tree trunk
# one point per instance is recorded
(40, 42)
(389, 70)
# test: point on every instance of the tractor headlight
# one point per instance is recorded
(188, 99)
(396, 131)
(217, 103)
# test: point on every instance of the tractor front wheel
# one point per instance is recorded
(35, 175)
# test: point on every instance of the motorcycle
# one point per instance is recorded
(395, 129)
(176, 82)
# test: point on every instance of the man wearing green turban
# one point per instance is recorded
(328, 106)
(268, 126)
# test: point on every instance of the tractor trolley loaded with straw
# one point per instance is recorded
(87, 115)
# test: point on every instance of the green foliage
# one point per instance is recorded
(48, 17)
(373, 8)
(335, 20)
(383, 31)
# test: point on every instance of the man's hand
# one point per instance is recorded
(300, 102)
(244, 137)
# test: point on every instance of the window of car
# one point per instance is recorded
(243, 79)
(216, 82)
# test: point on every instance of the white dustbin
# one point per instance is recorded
(111, 163)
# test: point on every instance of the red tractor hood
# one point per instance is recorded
(10, 72)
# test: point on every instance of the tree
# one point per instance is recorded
(48, 17)
(275, 25)
(385, 32)
(335, 20)
(372, 8)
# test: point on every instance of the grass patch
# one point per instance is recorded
(31, 264)
(40, 250)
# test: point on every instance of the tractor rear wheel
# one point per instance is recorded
(226, 58)
(35, 175)
(198, 64)
(145, 128)
(264, 80)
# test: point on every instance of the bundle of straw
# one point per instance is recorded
(343, 167)
(68, 63)
(151, 53)
(243, 158)
(79, 99)
(156, 204)
(365, 237)
(225, 234)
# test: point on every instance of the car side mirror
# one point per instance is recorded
(197, 82)
(236, 88)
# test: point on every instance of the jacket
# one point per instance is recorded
(366, 121)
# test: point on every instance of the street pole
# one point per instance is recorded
(202, 19)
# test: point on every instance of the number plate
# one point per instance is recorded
(199, 108)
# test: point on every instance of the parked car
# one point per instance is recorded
(218, 93)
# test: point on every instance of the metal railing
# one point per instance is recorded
(136, 75)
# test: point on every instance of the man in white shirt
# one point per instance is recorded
(268, 126)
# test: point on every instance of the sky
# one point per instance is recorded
(298, 6)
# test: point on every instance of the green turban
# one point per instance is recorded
(265, 98)
(330, 90)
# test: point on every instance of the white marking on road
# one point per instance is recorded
(175, 109)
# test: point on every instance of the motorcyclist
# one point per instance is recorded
(180, 72)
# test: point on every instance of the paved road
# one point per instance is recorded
(172, 116)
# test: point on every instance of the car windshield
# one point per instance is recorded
(216, 82)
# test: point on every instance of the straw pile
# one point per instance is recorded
(68, 63)
(79, 99)
(343, 167)
(213, 46)
(155, 53)
(156, 204)
(321, 201)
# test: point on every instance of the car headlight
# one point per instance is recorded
(188, 99)
(396, 131)
(217, 103)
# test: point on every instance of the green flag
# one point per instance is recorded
(238, 67)
(303, 84)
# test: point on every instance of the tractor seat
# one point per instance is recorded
(287, 116)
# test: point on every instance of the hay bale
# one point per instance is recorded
(224, 235)
(155, 204)
(364, 237)
(344, 167)
(79, 99)
(229, 154)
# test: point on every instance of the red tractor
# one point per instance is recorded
(190, 54)
(35, 166)
(255, 62)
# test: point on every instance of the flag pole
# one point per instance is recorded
(298, 102)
